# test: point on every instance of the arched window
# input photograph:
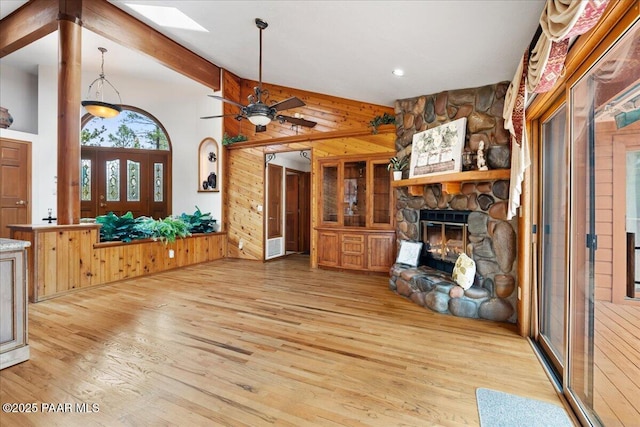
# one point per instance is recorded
(126, 165)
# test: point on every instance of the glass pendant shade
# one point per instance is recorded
(95, 103)
(101, 109)
(260, 120)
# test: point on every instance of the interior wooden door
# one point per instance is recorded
(274, 201)
(292, 212)
(15, 184)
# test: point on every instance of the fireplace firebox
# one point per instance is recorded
(444, 237)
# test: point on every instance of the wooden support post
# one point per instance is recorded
(69, 81)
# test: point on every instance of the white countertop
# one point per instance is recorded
(7, 245)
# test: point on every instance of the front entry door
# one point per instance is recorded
(119, 186)
(122, 180)
(15, 184)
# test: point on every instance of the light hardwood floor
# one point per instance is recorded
(244, 343)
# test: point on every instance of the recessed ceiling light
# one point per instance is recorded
(167, 17)
(398, 72)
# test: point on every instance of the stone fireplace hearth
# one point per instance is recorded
(493, 296)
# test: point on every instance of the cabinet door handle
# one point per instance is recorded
(102, 205)
(21, 203)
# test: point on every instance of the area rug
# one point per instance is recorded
(499, 409)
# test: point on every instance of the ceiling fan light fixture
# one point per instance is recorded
(258, 112)
(95, 103)
(260, 119)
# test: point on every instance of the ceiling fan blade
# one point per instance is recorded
(237, 116)
(227, 100)
(292, 102)
(296, 121)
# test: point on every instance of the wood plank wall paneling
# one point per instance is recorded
(230, 90)
(245, 191)
(63, 260)
(330, 112)
(371, 144)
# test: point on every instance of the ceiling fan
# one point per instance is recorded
(259, 113)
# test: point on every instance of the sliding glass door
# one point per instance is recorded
(602, 378)
(552, 269)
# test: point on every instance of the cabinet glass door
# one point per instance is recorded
(381, 194)
(355, 194)
(330, 193)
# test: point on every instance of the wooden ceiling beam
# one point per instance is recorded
(27, 24)
(38, 18)
(113, 23)
(362, 133)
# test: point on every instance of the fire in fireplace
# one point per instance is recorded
(444, 234)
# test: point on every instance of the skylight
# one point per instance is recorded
(167, 17)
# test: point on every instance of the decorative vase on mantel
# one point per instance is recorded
(5, 118)
(397, 175)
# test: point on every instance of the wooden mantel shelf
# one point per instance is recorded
(450, 181)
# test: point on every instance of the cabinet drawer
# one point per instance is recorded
(353, 244)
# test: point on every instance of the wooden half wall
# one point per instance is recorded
(69, 258)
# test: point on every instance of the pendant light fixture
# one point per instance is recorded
(95, 103)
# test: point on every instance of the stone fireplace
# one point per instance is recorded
(488, 237)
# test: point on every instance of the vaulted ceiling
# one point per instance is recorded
(341, 48)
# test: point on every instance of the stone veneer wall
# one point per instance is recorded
(493, 239)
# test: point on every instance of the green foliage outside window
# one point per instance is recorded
(130, 129)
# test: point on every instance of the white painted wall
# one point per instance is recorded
(19, 94)
(178, 106)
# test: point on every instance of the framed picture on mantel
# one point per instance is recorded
(438, 150)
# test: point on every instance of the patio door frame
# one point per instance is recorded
(586, 51)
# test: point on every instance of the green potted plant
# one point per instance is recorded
(228, 140)
(385, 119)
(398, 164)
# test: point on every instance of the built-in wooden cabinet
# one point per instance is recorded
(14, 346)
(356, 192)
(381, 251)
(371, 250)
(355, 220)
